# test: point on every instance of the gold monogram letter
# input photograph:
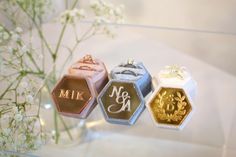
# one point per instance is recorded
(64, 94)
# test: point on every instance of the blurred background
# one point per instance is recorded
(204, 29)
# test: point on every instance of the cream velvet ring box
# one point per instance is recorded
(171, 104)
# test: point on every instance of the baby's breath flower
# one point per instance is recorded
(71, 16)
(18, 117)
(118, 11)
(106, 12)
(94, 3)
(18, 30)
(81, 13)
(18, 124)
(3, 35)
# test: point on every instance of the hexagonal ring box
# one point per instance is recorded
(75, 93)
(122, 99)
(171, 103)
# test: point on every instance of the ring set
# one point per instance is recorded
(122, 99)
(75, 94)
(171, 104)
(121, 94)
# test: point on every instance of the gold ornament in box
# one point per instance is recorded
(170, 106)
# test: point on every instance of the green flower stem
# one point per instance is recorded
(42, 51)
(4, 111)
(38, 29)
(81, 39)
(57, 133)
(14, 66)
(9, 86)
(33, 61)
(66, 60)
(31, 58)
(62, 33)
(43, 38)
(54, 56)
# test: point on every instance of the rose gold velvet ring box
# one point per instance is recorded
(75, 93)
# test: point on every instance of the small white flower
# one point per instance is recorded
(81, 13)
(118, 11)
(30, 99)
(106, 12)
(18, 117)
(73, 12)
(53, 132)
(19, 30)
(71, 15)
(94, 3)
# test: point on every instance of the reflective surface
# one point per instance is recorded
(170, 106)
(120, 101)
(71, 94)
